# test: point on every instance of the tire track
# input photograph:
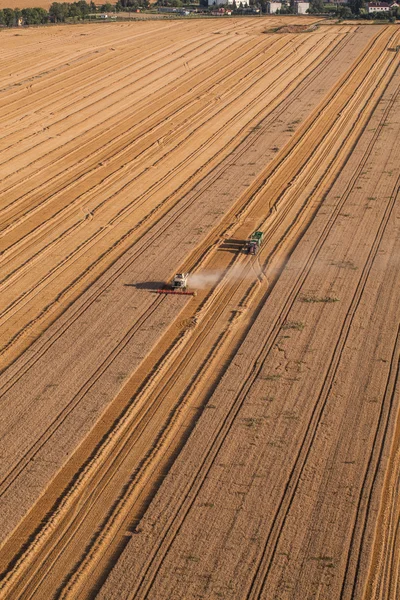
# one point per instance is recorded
(364, 508)
(257, 586)
(7, 481)
(202, 47)
(78, 69)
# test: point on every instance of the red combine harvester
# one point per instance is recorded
(179, 286)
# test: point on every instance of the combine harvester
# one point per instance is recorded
(179, 286)
(254, 242)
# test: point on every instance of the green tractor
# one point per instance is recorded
(254, 242)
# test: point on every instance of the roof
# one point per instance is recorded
(377, 4)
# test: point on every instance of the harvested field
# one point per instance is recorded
(242, 443)
(25, 4)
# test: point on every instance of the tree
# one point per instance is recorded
(84, 8)
(9, 18)
(285, 9)
(29, 16)
(263, 6)
(58, 12)
(34, 16)
(43, 14)
(316, 6)
(356, 5)
(74, 11)
(344, 12)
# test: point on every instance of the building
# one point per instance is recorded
(375, 7)
(236, 3)
(301, 8)
(273, 7)
(221, 12)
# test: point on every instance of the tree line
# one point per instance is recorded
(59, 12)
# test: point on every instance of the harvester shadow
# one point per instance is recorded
(146, 285)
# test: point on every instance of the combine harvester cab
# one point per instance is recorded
(180, 281)
(254, 242)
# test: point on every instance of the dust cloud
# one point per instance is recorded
(205, 279)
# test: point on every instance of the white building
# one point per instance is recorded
(374, 7)
(301, 8)
(273, 7)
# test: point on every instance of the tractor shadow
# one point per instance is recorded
(232, 245)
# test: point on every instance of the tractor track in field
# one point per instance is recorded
(336, 215)
(291, 487)
(382, 579)
(126, 113)
(231, 102)
(203, 48)
(202, 45)
(5, 483)
(102, 62)
(133, 430)
(79, 224)
(74, 78)
(122, 114)
(358, 539)
(80, 55)
(261, 186)
(388, 586)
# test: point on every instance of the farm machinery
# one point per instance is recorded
(179, 286)
(254, 242)
(180, 281)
